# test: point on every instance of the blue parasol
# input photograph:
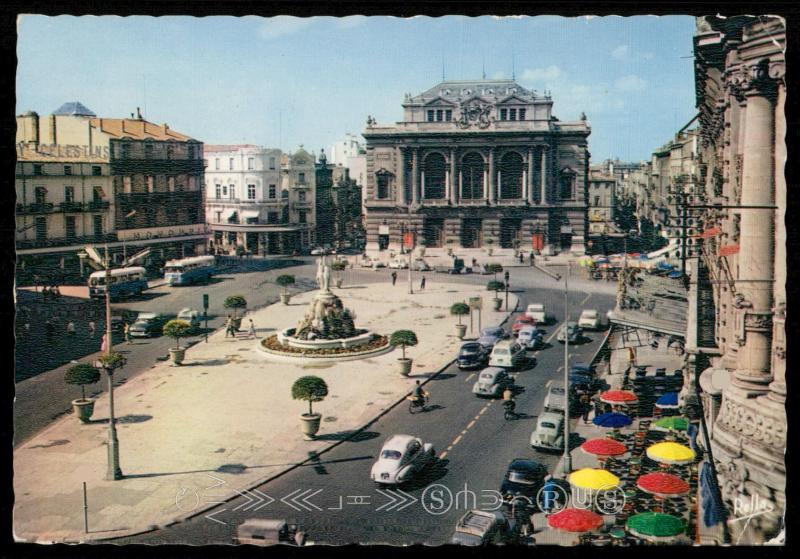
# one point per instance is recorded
(668, 401)
(664, 266)
(612, 420)
(677, 274)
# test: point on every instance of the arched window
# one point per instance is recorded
(472, 176)
(511, 166)
(383, 182)
(567, 184)
(434, 167)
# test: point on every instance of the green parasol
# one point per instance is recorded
(655, 526)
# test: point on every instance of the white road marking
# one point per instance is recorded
(483, 411)
(560, 368)
(471, 423)
(469, 377)
(456, 440)
(588, 295)
(442, 455)
(553, 335)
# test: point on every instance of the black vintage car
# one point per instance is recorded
(523, 480)
(472, 355)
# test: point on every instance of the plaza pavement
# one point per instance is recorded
(227, 413)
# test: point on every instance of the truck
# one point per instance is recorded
(478, 527)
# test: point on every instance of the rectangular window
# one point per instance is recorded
(251, 192)
(503, 114)
(522, 114)
(230, 164)
(218, 190)
(219, 217)
(596, 201)
(40, 194)
(272, 163)
(41, 228)
(126, 150)
(96, 170)
(190, 150)
(170, 151)
(302, 196)
(69, 227)
(216, 163)
(233, 192)
(512, 114)
(382, 183)
(448, 115)
(98, 226)
(67, 169)
(38, 169)
(97, 194)
(69, 193)
(225, 190)
(430, 116)
(272, 217)
(251, 163)
(302, 216)
(439, 116)
(273, 191)
(148, 150)
(301, 178)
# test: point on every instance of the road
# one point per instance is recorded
(473, 441)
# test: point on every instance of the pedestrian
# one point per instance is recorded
(474, 262)
(597, 404)
(229, 329)
(104, 344)
(45, 293)
(70, 327)
(530, 258)
(56, 292)
(252, 330)
(394, 278)
(521, 258)
(49, 329)
(585, 407)
(91, 327)
(126, 329)
(422, 283)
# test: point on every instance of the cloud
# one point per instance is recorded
(621, 52)
(631, 82)
(547, 75)
(280, 26)
(499, 75)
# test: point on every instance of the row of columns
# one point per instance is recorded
(453, 180)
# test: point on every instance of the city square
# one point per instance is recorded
(507, 310)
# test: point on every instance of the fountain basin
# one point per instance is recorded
(323, 351)
(285, 338)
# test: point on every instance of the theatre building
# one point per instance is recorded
(477, 165)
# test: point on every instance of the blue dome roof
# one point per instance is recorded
(73, 108)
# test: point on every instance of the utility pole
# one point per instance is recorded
(567, 455)
(507, 278)
(114, 471)
(410, 254)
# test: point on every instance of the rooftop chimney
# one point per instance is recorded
(138, 114)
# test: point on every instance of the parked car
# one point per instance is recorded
(264, 532)
(401, 457)
(554, 398)
(581, 382)
(549, 432)
(523, 477)
(530, 337)
(580, 367)
(118, 321)
(398, 264)
(569, 331)
(472, 355)
(368, 262)
(491, 382)
(507, 353)
(148, 324)
(521, 322)
(590, 320)
(491, 335)
(478, 527)
(537, 312)
(457, 267)
(192, 316)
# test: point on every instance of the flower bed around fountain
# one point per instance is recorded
(327, 348)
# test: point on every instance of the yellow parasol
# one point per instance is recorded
(594, 479)
(671, 453)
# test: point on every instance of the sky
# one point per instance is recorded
(287, 81)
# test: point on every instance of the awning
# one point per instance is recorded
(247, 214)
(566, 229)
(710, 233)
(228, 213)
(728, 250)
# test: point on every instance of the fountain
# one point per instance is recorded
(327, 330)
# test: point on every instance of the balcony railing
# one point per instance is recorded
(35, 208)
(66, 241)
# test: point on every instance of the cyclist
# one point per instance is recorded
(419, 395)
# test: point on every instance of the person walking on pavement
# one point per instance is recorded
(70, 327)
(127, 331)
(49, 329)
(229, 327)
(252, 330)
(521, 258)
(91, 327)
(585, 407)
(530, 258)
(394, 278)
(422, 283)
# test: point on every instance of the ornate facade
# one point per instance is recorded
(477, 164)
(739, 70)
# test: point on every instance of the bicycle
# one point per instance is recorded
(417, 404)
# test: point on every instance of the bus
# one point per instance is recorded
(125, 282)
(189, 270)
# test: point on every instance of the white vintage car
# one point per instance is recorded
(590, 320)
(537, 312)
(398, 264)
(401, 457)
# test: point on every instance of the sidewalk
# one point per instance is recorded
(228, 412)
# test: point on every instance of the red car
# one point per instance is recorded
(521, 322)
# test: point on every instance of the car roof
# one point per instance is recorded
(397, 442)
(469, 344)
(536, 306)
(145, 315)
(492, 371)
(528, 329)
(492, 329)
(551, 416)
(504, 344)
(525, 464)
(589, 312)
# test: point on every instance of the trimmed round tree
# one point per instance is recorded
(403, 338)
(459, 310)
(494, 268)
(497, 287)
(285, 281)
(112, 361)
(177, 329)
(311, 389)
(235, 302)
(81, 375)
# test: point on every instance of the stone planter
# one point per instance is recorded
(285, 298)
(489, 251)
(497, 304)
(404, 366)
(83, 409)
(338, 283)
(461, 330)
(177, 354)
(449, 252)
(310, 425)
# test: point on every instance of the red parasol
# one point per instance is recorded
(575, 520)
(618, 397)
(662, 484)
(604, 447)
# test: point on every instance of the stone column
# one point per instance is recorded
(529, 182)
(543, 171)
(400, 194)
(414, 176)
(491, 184)
(422, 185)
(454, 193)
(756, 239)
(778, 386)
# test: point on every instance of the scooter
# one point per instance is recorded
(509, 406)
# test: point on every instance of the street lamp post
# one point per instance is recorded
(114, 471)
(567, 455)
(507, 278)
(410, 259)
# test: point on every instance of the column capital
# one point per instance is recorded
(760, 79)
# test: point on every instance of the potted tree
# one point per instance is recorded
(494, 268)
(82, 374)
(177, 329)
(338, 266)
(236, 302)
(459, 310)
(404, 338)
(497, 287)
(311, 389)
(489, 249)
(285, 281)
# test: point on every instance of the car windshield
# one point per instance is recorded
(487, 376)
(391, 455)
(471, 348)
(547, 425)
(500, 351)
(557, 391)
(492, 332)
(526, 478)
